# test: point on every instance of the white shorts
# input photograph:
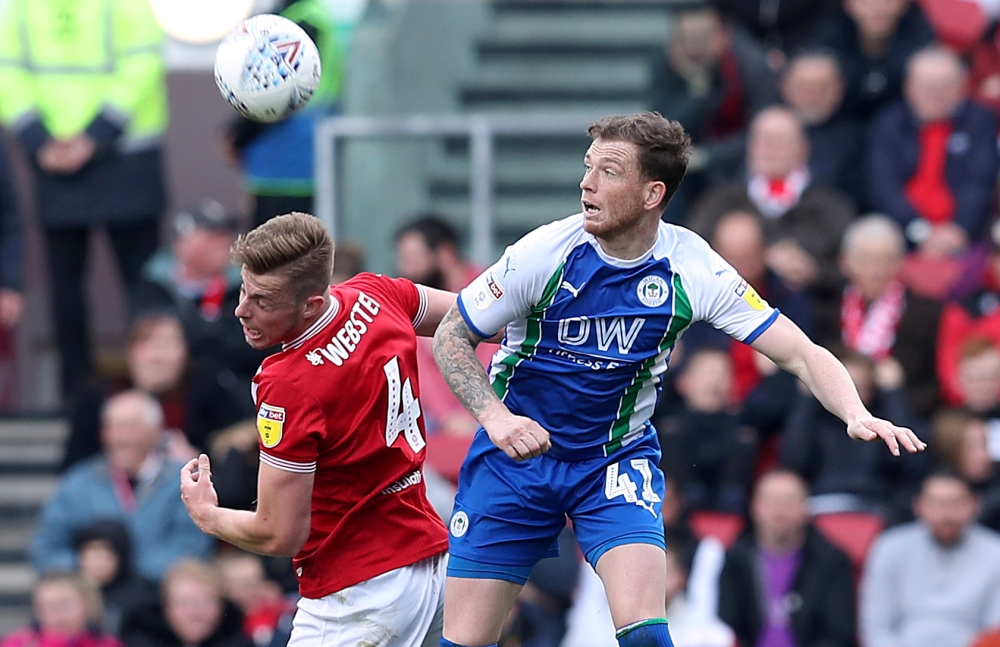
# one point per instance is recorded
(401, 608)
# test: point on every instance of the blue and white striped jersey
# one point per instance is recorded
(589, 336)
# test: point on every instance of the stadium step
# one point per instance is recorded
(572, 57)
(29, 462)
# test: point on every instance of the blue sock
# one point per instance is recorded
(645, 633)
(447, 643)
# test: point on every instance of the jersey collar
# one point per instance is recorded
(318, 325)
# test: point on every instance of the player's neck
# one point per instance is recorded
(633, 242)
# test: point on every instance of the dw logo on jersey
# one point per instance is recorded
(745, 290)
(270, 423)
(652, 291)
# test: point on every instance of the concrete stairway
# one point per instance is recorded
(580, 57)
(30, 450)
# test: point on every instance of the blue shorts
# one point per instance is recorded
(508, 513)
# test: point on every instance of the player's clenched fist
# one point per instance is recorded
(519, 437)
(197, 491)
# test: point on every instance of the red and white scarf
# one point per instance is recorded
(774, 197)
(872, 330)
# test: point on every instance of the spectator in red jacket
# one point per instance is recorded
(933, 159)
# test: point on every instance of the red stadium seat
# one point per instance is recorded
(960, 24)
(445, 454)
(852, 532)
(723, 526)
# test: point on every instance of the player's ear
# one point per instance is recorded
(314, 304)
(656, 195)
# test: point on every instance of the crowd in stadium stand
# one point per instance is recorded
(846, 164)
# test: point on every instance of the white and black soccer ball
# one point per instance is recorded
(267, 68)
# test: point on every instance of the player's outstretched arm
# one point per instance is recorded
(786, 345)
(455, 353)
(280, 524)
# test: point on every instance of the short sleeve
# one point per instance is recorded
(290, 425)
(412, 298)
(723, 298)
(509, 289)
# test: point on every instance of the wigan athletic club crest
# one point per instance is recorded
(652, 291)
(459, 523)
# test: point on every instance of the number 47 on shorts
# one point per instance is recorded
(619, 483)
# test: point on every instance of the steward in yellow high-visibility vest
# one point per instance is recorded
(82, 88)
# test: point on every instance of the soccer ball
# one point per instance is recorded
(267, 68)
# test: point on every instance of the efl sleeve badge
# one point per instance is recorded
(270, 423)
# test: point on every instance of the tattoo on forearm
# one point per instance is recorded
(455, 354)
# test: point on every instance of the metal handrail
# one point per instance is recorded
(481, 131)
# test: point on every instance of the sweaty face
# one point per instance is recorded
(268, 310)
(612, 188)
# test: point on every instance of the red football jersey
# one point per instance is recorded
(342, 401)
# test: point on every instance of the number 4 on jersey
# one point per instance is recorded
(620, 484)
(403, 411)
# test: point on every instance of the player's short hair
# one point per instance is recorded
(295, 244)
(664, 147)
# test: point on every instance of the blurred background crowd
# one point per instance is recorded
(846, 164)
